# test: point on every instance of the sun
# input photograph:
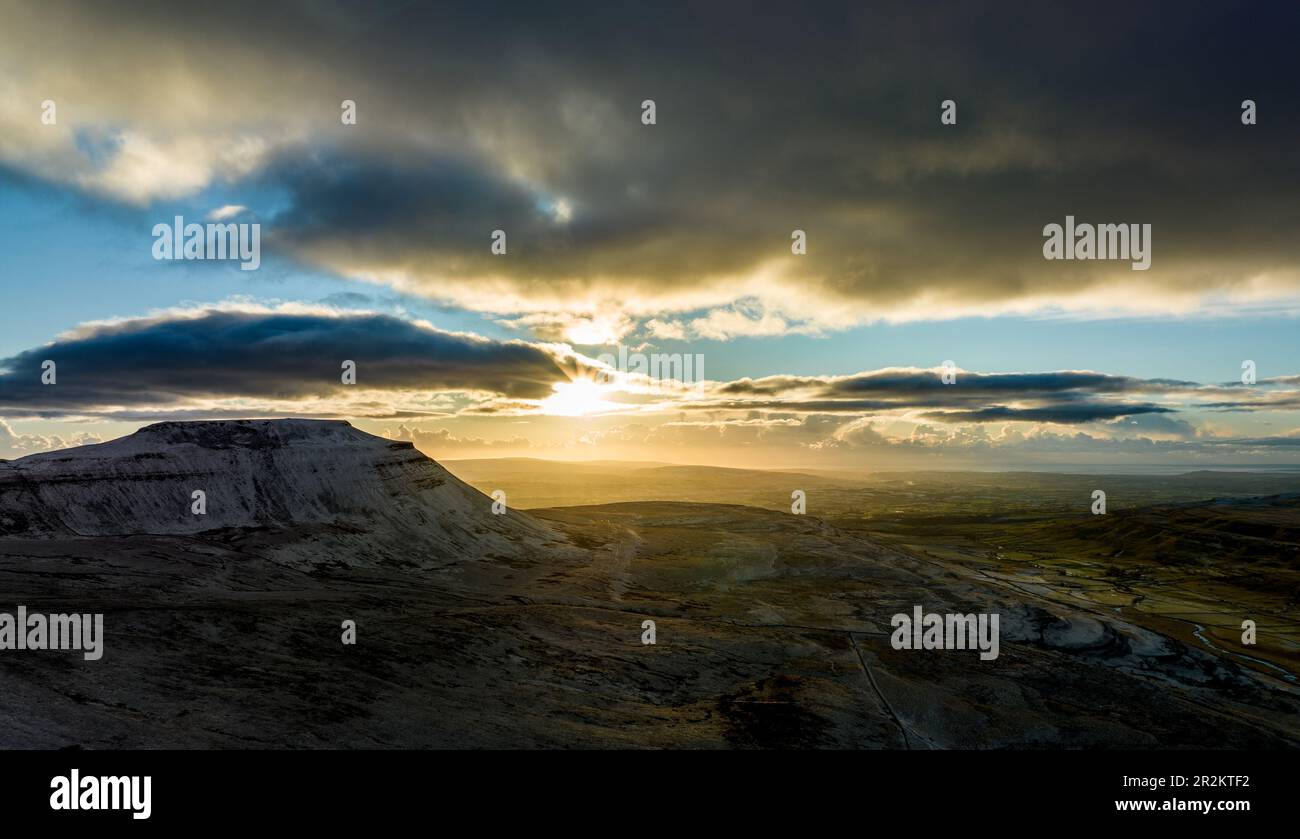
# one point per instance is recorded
(576, 398)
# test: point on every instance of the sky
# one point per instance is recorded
(914, 322)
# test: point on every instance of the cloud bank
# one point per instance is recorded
(826, 119)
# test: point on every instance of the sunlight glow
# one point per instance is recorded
(577, 398)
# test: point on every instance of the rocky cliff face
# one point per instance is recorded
(253, 474)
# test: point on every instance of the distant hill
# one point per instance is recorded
(1233, 532)
(534, 483)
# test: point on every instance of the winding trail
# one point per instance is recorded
(907, 741)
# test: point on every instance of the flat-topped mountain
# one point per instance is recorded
(252, 474)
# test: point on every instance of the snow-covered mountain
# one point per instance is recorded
(253, 474)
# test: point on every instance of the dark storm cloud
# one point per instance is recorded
(170, 360)
(1252, 442)
(826, 119)
(1279, 402)
(968, 385)
(379, 203)
(812, 406)
(771, 117)
(1063, 414)
(1066, 397)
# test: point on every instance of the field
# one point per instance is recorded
(1191, 555)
